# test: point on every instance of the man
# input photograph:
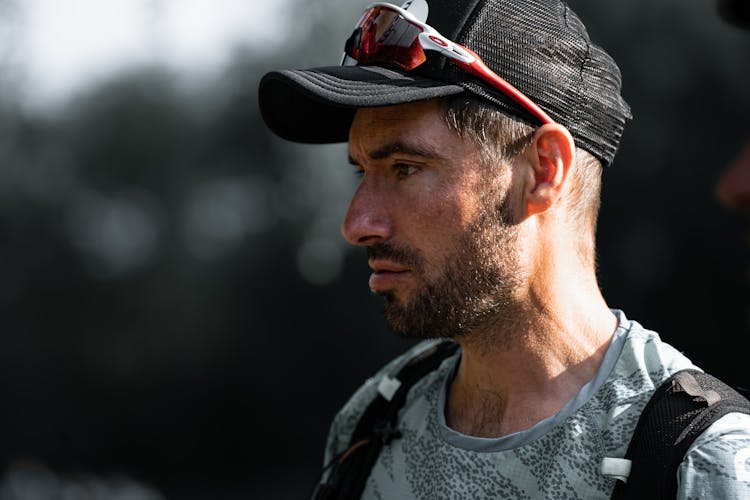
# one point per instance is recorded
(477, 206)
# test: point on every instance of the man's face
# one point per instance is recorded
(434, 219)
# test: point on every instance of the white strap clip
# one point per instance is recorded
(388, 387)
(617, 468)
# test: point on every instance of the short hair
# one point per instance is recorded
(501, 137)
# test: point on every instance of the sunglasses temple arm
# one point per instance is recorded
(480, 70)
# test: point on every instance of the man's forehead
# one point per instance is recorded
(416, 129)
(406, 146)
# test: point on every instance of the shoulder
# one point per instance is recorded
(636, 364)
(717, 464)
(346, 419)
(645, 360)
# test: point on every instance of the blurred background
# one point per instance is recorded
(179, 317)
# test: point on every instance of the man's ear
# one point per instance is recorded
(550, 156)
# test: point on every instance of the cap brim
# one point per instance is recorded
(316, 106)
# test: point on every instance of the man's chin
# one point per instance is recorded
(406, 320)
(395, 312)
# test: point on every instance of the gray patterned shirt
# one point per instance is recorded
(559, 457)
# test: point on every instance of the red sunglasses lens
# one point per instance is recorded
(384, 37)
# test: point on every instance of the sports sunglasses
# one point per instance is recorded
(390, 35)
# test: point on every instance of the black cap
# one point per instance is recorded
(539, 46)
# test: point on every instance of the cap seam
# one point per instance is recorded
(342, 86)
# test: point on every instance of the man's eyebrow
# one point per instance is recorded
(391, 148)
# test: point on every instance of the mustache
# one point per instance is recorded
(399, 255)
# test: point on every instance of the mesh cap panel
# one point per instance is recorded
(543, 49)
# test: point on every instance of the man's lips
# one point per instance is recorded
(386, 266)
(386, 275)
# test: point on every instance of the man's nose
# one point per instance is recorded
(733, 188)
(367, 221)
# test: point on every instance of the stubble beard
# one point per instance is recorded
(475, 290)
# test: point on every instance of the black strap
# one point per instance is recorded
(684, 406)
(376, 428)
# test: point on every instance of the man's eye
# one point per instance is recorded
(359, 172)
(404, 170)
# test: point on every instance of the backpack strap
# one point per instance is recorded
(377, 426)
(684, 406)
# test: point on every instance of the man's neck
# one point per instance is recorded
(523, 371)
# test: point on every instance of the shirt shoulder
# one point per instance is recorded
(641, 365)
(647, 353)
(345, 421)
(717, 464)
